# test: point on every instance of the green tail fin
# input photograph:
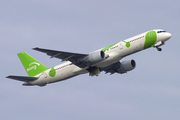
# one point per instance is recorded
(32, 66)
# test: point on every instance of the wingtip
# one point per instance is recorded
(35, 48)
(7, 76)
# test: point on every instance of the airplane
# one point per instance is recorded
(106, 59)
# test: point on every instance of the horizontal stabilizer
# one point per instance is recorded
(22, 78)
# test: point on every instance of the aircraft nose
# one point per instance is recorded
(168, 35)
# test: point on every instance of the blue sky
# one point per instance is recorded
(151, 91)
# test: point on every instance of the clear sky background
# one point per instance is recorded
(150, 92)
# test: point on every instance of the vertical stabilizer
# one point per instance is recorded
(32, 66)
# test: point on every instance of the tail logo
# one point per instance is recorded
(33, 66)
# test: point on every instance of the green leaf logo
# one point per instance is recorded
(52, 72)
(127, 44)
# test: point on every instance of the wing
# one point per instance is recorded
(75, 58)
(112, 68)
(22, 78)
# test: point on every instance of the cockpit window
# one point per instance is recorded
(160, 31)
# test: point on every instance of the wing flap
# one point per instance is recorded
(22, 78)
(112, 68)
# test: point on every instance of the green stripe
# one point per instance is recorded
(106, 48)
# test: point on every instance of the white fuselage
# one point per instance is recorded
(115, 53)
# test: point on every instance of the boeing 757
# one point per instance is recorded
(105, 59)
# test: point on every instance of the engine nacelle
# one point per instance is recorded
(96, 57)
(127, 66)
